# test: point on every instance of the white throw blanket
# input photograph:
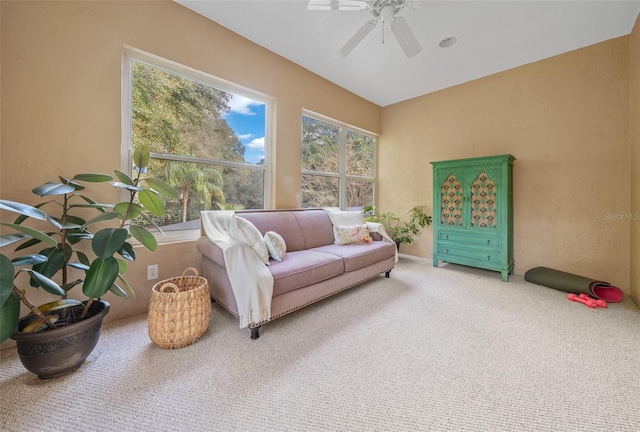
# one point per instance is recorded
(379, 228)
(251, 281)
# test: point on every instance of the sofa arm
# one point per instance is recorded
(209, 249)
(377, 231)
(215, 253)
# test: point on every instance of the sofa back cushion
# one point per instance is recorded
(282, 222)
(316, 226)
(300, 229)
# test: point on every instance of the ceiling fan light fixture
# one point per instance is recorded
(447, 42)
(387, 13)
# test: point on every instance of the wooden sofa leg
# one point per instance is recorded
(387, 274)
(255, 332)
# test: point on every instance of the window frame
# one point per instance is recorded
(130, 55)
(342, 175)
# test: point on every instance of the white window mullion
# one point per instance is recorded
(126, 152)
(342, 167)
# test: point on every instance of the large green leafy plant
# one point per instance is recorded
(400, 231)
(72, 241)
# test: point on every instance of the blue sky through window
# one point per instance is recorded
(246, 118)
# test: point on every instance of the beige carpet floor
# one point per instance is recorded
(430, 349)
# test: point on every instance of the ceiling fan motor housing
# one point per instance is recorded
(382, 10)
(387, 8)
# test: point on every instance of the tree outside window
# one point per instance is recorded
(337, 165)
(208, 143)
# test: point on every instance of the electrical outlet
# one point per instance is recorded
(152, 272)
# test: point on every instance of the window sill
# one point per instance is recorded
(171, 237)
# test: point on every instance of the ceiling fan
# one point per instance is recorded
(382, 10)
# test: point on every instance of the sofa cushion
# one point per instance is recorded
(282, 222)
(316, 226)
(341, 217)
(359, 255)
(351, 234)
(243, 230)
(276, 245)
(301, 268)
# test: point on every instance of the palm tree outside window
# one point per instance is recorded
(209, 139)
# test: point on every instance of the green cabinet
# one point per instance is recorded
(473, 213)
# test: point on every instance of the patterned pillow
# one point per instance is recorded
(352, 234)
(275, 244)
(243, 230)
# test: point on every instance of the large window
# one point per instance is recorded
(208, 138)
(338, 164)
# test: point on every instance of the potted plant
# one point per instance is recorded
(57, 337)
(400, 231)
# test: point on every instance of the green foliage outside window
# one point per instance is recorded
(321, 148)
(180, 117)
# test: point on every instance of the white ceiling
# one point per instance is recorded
(492, 36)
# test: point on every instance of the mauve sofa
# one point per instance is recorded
(313, 267)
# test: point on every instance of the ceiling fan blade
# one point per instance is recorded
(405, 37)
(348, 5)
(357, 38)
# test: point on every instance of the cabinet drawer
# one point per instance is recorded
(470, 239)
(460, 251)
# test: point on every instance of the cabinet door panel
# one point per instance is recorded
(451, 202)
(483, 208)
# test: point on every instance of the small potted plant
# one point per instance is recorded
(46, 336)
(400, 231)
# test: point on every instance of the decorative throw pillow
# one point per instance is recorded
(243, 230)
(352, 234)
(275, 244)
(346, 218)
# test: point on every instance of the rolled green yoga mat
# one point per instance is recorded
(571, 283)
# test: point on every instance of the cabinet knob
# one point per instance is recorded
(447, 237)
(488, 241)
(488, 257)
(447, 250)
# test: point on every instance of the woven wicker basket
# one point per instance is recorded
(179, 310)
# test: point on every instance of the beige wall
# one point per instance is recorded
(634, 121)
(566, 121)
(61, 99)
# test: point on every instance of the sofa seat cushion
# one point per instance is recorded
(359, 255)
(301, 268)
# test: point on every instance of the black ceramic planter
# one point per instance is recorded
(52, 353)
